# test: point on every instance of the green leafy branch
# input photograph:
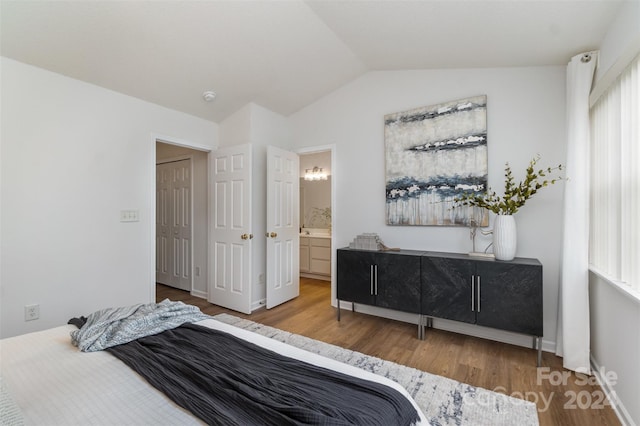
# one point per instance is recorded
(515, 196)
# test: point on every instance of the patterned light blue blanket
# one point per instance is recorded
(116, 326)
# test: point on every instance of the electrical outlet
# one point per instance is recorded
(31, 312)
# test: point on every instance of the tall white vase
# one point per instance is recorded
(504, 237)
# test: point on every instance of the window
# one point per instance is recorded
(615, 180)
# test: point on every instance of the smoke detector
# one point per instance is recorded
(209, 95)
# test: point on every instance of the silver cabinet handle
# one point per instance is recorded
(473, 293)
(479, 293)
(371, 278)
(375, 268)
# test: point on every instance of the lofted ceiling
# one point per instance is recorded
(284, 55)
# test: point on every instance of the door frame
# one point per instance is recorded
(332, 149)
(151, 206)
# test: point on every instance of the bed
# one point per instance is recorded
(47, 380)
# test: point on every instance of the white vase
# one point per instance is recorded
(504, 237)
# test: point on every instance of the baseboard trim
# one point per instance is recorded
(199, 293)
(316, 276)
(258, 304)
(612, 396)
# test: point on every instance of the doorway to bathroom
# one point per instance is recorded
(316, 215)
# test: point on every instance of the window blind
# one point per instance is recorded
(615, 179)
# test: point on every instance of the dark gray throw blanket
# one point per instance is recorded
(224, 380)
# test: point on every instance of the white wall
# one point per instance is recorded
(526, 111)
(615, 343)
(615, 339)
(623, 34)
(73, 155)
(260, 127)
(236, 129)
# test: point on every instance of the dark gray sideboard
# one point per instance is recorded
(475, 290)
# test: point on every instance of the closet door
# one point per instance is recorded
(173, 224)
(163, 223)
(181, 224)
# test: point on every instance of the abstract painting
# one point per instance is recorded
(434, 154)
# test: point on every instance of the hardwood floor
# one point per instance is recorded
(495, 366)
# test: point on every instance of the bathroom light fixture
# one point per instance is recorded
(315, 174)
(209, 95)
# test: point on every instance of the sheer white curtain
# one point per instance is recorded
(573, 316)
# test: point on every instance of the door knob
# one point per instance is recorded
(251, 236)
(244, 236)
(273, 235)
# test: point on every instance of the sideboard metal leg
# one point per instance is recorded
(338, 304)
(539, 347)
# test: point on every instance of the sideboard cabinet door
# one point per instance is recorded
(510, 296)
(354, 270)
(397, 283)
(448, 288)
(502, 295)
(386, 279)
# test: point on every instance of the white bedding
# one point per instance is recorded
(53, 383)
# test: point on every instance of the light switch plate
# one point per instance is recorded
(129, 215)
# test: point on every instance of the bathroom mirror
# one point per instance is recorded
(315, 203)
(315, 190)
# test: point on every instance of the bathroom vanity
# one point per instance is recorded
(315, 256)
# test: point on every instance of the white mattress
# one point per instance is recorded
(53, 383)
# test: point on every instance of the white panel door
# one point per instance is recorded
(181, 224)
(163, 180)
(173, 224)
(283, 232)
(231, 238)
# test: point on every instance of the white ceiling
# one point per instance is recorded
(284, 55)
